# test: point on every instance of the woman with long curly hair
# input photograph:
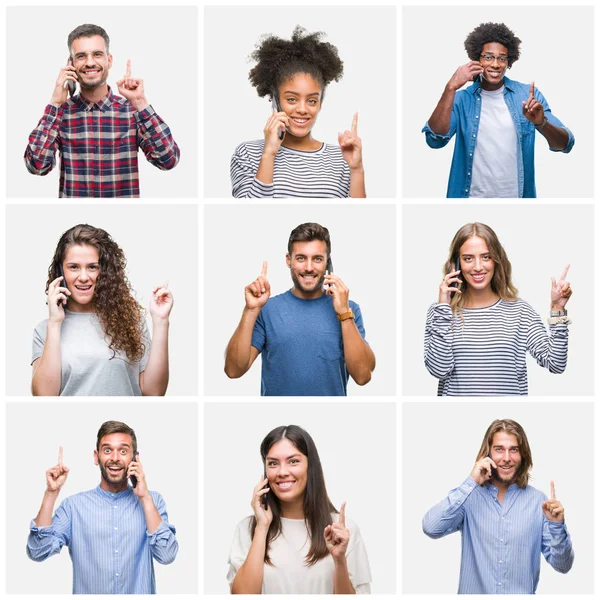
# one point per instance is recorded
(95, 341)
(289, 161)
(478, 334)
(296, 542)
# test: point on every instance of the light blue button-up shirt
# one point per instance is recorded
(108, 541)
(501, 543)
(464, 122)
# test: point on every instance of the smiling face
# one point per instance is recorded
(300, 99)
(506, 454)
(81, 268)
(113, 456)
(91, 61)
(494, 60)
(287, 471)
(476, 264)
(307, 264)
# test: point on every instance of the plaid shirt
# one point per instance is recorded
(98, 145)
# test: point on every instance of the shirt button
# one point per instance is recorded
(116, 552)
(477, 116)
(500, 561)
(499, 583)
(503, 518)
(116, 528)
(474, 135)
(115, 506)
(469, 174)
(470, 154)
(501, 539)
(116, 574)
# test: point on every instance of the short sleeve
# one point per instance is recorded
(39, 339)
(358, 320)
(240, 546)
(358, 561)
(147, 341)
(259, 334)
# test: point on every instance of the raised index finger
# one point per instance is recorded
(263, 273)
(552, 491)
(128, 70)
(355, 123)
(564, 273)
(531, 89)
(60, 456)
(342, 519)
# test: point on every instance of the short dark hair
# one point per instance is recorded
(307, 232)
(487, 33)
(109, 427)
(88, 30)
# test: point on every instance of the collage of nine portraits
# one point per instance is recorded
(349, 228)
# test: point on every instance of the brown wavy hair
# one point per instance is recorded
(511, 427)
(120, 314)
(501, 280)
(317, 506)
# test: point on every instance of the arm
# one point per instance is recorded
(351, 147)
(556, 541)
(249, 577)
(155, 378)
(359, 358)
(341, 578)
(40, 154)
(439, 358)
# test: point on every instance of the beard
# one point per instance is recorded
(92, 86)
(500, 476)
(299, 285)
(108, 477)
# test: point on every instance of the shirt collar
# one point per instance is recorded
(475, 88)
(492, 490)
(103, 105)
(114, 495)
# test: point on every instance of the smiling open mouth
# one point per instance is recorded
(300, 121)
(285, 485)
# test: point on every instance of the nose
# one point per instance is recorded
(506, 456)
(477, 266)
(309, 265)
(301, 107)
(83, 275)
(283, 471)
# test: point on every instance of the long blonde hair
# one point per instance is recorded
(501, 280)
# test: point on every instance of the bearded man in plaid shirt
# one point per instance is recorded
(96, 132)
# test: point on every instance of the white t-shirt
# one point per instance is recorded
(290, 575)
(495, 161)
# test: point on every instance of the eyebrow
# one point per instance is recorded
(299, 94)
(288, 458)
(70, 262)
(510, 447)
(300, 254)
(123, 445)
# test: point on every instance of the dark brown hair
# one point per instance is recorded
(513, 428)
(317, 506)
(109, 427)
(121, 316)
(88, 30)
(307, 232)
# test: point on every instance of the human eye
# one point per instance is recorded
(79, 56)
(514, 451)
(272, 463)
(98, 54)
(94, 267)
(291, 99)
(294, 461)
(467, 258)
(502, 59)
(106, 450)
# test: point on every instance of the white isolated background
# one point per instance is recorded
(238, 238)
(440, 444)
(233, 112)
(359, 463)
(540, 240)
(157, 39)
(160, 243)
(433, 48)
(74, 426)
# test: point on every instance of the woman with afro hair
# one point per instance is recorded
(494, 119)
(289, 161)
(95, 341)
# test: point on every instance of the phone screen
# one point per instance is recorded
(277, 107)
(133, 478)
(71, 84)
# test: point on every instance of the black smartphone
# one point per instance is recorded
(264, 499)
(454, 284)
(329, 271)
(277, 107)
(133, 478)
(494, 471)
(63, 283)
(72, 87)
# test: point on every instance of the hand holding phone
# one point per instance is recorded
(133, 478)
(454, 284)
(71, 85)
(62, 302)
(277, 108)
(328, 271)
(264, 500)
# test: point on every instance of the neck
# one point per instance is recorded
(490, 87)
(300, 143)
(113, 487)
(300, 293)
(96, 94)
(480, 298)
(293, 510)
(73, 306)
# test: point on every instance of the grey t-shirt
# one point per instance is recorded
(88, 366)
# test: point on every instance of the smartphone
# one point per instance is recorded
(264, 499)
(494, 471)
(329, 271)
(72, 87)
(454, 284)
(63, 283)
(133, 478)
(277, 107)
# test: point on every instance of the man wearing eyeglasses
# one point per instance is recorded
(96, 132)
(494, 119)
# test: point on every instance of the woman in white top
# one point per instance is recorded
(289, 162)
(95, 340)
(296, 542)
(478, 334)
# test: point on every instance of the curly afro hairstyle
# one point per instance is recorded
(120, 315)
(278, 60)
(487, 33)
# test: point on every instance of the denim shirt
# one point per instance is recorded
(466, 111)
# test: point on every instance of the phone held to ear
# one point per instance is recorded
(72, 87)
(329, 271)
(63, 283)
(277, 107)
(133, 478)
(454, 284)
(264, 499)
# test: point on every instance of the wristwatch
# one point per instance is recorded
(543, 123)
(558, 313)
(346, 315)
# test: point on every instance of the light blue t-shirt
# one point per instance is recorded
(301, 345)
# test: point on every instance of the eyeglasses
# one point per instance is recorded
(490, 58)
(81, 56)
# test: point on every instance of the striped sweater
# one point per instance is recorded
(322, 173)
(483, 354)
